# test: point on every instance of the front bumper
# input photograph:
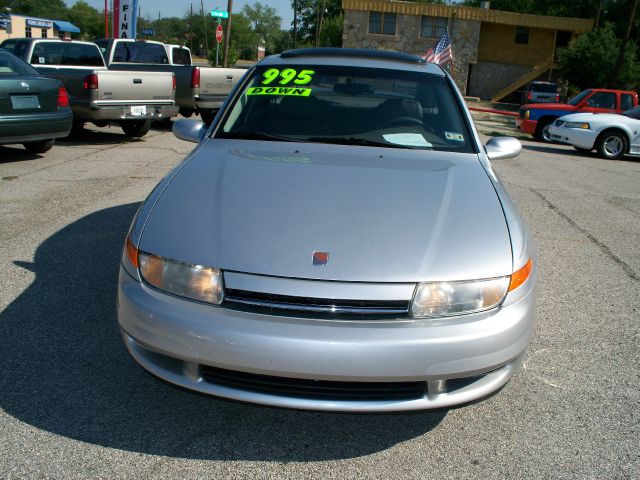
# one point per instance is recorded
(34, 127)
(573, 136)
(526, 125)
(177, 340)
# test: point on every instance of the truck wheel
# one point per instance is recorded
(136, 128)
(39, 147)
(186, 112)
(207, 116)
(542, 130)
(612, 144)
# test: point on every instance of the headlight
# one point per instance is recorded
(527, 114)
(195, 282)
(440, 299)
(582, 125)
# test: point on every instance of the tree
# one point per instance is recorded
(312, 13)
(591, 57)
(265, 23)
(89, 20)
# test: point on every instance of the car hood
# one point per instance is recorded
(382, 214)
(586, 117)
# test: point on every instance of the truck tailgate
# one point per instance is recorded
(135, 87)
(219, 81)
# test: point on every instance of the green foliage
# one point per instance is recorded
(309, 14)
(264, 22)
(590, 60)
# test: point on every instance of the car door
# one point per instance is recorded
(601, 102)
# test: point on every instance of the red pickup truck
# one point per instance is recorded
(535, 118)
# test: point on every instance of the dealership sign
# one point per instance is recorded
(34, 22)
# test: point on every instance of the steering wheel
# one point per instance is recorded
(397, 121)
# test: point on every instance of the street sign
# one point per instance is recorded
(147, 31)
(219, 14)
(219, 33)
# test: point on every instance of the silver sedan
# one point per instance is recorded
(337, 240)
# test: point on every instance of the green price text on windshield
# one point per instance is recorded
(287, 75)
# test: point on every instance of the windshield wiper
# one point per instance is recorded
(256, 136)
(357, 141)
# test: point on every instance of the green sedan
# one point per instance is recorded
(34, 110)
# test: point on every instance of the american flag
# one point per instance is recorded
(440, 53)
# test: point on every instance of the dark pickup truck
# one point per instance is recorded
(198, 89)
(535, 118)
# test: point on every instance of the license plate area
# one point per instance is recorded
(138, 110)
(25, 102)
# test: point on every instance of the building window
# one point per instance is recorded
(27, 32)
(44, 33)
(433, 27)
(382, 23)
(522, 35)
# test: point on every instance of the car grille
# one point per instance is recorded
(314, 389)
(314, 307)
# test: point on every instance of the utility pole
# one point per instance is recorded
(598, 15)
(204, 21)
(227, 34)
(295, 22)
(625, 41)
(106, 18)
(191, 29)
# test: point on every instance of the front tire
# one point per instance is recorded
(136, 128)
(612, 145)
(542, 133)
(39, 147)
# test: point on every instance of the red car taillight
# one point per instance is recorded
(529, 96)
(195, 78)
(91, 82)
(557, 98)
(174, 81)
(63, 97)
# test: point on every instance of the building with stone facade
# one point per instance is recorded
(495, 52)
(20, 26)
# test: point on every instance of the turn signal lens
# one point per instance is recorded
(132, 253)
(521, 276)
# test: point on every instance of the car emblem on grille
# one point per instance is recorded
(320, 258)
(24, 85)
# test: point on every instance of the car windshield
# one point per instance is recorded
(578, 98)
(351, 106)
(633, 113)
(544, 87)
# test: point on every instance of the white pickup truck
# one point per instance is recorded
(131, 99)
(199, 89)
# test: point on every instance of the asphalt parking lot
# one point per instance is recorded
(74, 405)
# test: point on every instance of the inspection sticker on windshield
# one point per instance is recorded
(455, 137)
(290, 91)
(407, 139)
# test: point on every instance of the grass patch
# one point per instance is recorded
(12, 177)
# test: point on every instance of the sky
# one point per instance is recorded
(177, 8)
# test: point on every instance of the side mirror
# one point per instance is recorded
(503, 147)
(189, 130)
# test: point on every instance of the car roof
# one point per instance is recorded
(354, 57)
